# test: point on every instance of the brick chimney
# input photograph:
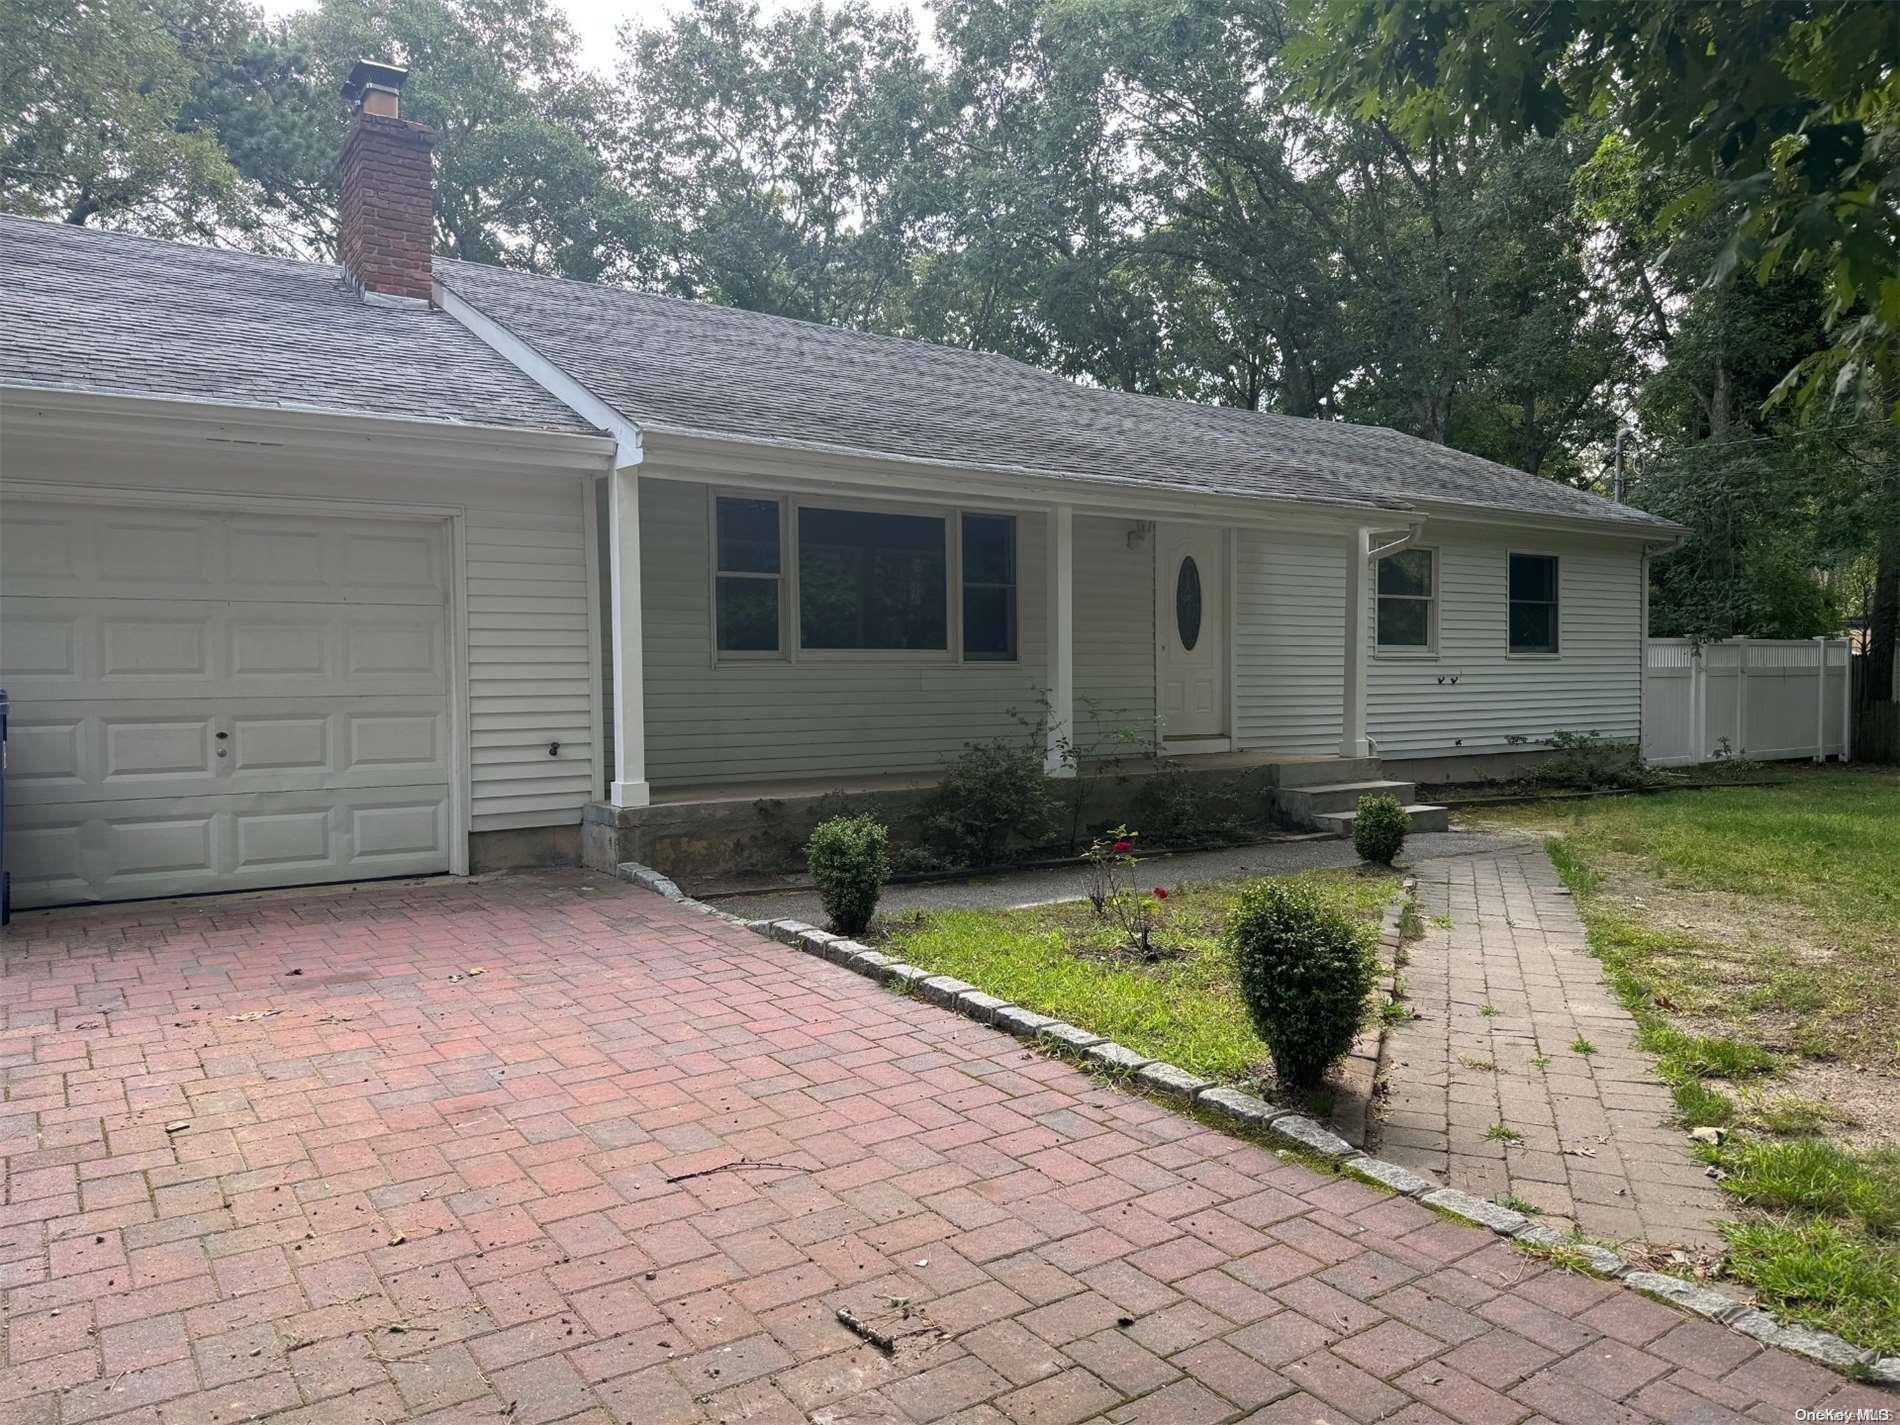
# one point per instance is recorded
(387, 213)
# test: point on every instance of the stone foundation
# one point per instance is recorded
(722, 839)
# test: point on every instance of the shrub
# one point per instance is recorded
(1304, 971)
(1378, 829)
(993, 794)
(850, 859)
(1583, 761)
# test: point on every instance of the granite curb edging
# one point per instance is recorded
(1245, 1110)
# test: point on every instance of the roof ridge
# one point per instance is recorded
(728, 310)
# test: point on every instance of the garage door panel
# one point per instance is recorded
(125, 751)
(84, 649)
(212, 701)
(126, 850)
(39, 643)
(136, 552)
(147, 749)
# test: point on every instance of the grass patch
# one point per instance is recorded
(1812, 1270)
(1582, 1046)
(1814, 1176)
(1062, 960)
(1503, 1133)
(1814, 860)
(1814, 857)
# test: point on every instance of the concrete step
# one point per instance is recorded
(1304, 803)
(1307, 772)
(1422, 816)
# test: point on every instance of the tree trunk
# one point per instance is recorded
(1883, 623)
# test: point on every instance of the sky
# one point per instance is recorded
(596, 21)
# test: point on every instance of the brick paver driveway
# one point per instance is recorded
(290, 1158)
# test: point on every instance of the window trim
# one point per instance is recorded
(786, 578)
(1556, 650)
(1428, 649)
(790, 648)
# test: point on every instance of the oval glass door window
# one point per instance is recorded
(1187, 604)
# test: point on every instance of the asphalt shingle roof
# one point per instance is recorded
(668, 364)
(109, 313)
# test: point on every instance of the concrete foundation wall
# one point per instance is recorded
(525, 846)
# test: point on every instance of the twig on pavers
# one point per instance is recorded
(742, 1163)
(857, 1325)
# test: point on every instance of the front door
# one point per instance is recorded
(1190, 631)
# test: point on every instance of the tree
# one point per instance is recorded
(93, 121)
(1786, 113)
(783, 155)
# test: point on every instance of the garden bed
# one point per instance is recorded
(1182, 1004)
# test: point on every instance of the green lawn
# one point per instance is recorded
(1755, 935)
(1063, 961)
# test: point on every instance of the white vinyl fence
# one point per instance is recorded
(1760, 698)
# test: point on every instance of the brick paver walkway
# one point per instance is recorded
(291, 1159)
(1504, 993)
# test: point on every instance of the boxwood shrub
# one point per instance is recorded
(1304, 970)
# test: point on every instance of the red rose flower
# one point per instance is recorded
(1161, 893)
(1122, 848)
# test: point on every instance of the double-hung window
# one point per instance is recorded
(749, 581)
(1408, 588)
(1533, 603)
(989, 588)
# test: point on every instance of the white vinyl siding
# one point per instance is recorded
(1114, 637)
(1474, 694)
(528, 672)
(1289, 663)
(714, 721)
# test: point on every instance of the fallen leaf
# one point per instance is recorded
(179, 1127)
(252, 1014)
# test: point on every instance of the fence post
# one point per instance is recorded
(1741, 697)
(1698, 719)
(1847, 699)
(1820, 700)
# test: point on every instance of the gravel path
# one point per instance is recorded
(1038, 887)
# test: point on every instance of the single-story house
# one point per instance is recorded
(319, 573)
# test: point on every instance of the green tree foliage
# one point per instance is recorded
(1784, 114)
(93, 96)
(783, 154)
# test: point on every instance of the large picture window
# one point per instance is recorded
(989, 587)
(1533, 603)
(1407, 591)
(749, 582)
(871, 580)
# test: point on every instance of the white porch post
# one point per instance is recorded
(630, 736)
(1352, 738)
(1060, 612)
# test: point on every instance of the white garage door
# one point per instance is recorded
(207, 701)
